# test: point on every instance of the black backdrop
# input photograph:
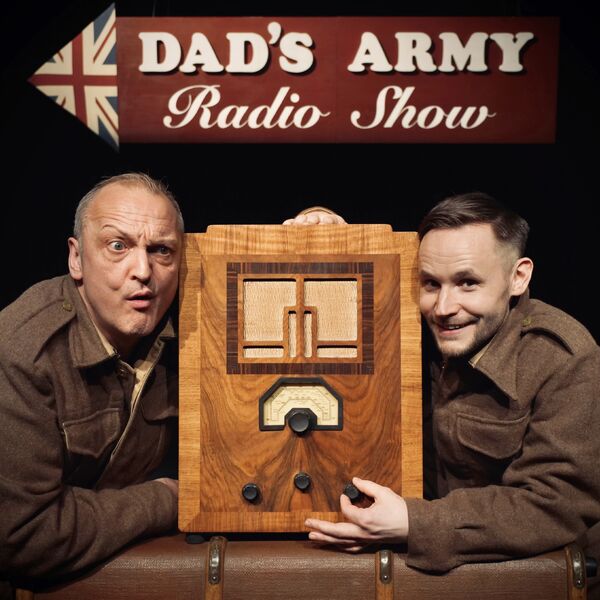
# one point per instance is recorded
(50, 160)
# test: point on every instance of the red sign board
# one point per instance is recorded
(337, 79)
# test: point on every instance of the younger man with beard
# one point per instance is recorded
(515, 407)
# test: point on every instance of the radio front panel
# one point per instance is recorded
(292, 379)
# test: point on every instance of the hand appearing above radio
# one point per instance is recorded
(386, 520)
(316, 215)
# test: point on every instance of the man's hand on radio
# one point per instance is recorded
(385, 520)
(317, 215)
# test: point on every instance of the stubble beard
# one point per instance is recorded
(485, 330)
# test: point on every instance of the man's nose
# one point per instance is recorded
(141, 268)
(446, 303)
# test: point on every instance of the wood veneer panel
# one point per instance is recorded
(221, 447)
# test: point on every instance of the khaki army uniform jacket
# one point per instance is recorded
(516, 440)
(73, 460)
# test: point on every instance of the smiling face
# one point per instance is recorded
(127, 263)
(467, 279)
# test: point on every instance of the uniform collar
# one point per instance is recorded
(498, 362)
(85, 342)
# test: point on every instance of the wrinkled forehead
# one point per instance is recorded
(133, 208)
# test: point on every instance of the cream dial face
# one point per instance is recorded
(288, 396)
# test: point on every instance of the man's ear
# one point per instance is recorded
(520, 276)
(75, 259)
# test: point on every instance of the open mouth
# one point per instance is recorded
(450, 328)
(141, 300)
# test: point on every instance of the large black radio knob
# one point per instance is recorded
(302, 481)
(352, 492)
(251, 492)
(300, 420)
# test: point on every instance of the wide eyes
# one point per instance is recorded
(160, 250)
(117, 246)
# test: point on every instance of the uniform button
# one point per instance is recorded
(526, 321)
(67, 306)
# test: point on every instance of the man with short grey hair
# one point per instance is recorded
(88, 388)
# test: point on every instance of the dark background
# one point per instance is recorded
(50, 159)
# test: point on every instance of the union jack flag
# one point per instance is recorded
(82, 77)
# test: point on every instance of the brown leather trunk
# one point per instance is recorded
(169, 568)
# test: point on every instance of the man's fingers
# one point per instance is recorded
(327, 219)
(297, 220)
(347, 531)
(316, 217)
(370, 488)
(322, 538)
(351, 512)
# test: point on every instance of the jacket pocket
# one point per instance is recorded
(495, 438)
(91, 435)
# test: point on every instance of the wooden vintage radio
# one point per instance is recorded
(300, 367)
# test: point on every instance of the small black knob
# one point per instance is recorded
(302, 481)
(300, 420)
(251, 492)
(194, 538)
(591, 566)
(352, 492)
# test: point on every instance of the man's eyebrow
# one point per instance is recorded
(465, 274)
(157, 241)
(423, 274)
(115, 228)
(164, 240)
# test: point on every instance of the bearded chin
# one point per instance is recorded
(480, 339)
